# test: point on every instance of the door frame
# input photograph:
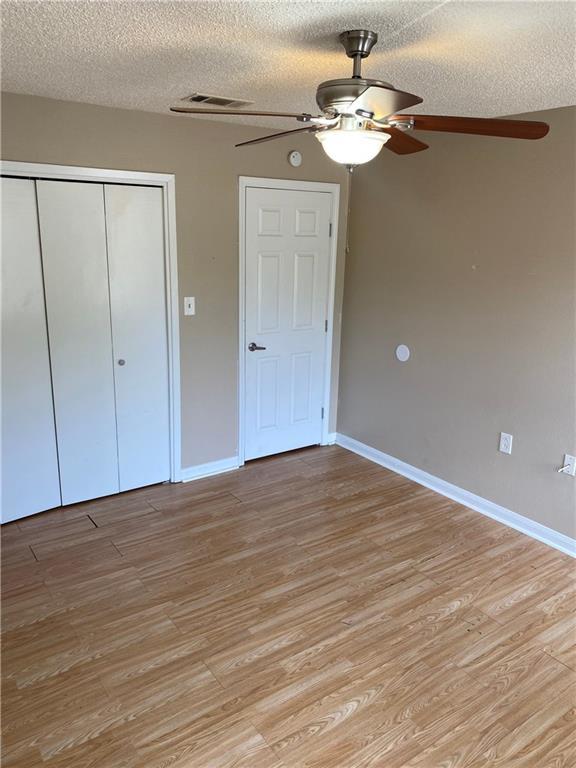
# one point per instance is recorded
(167, 182)
(245, 183)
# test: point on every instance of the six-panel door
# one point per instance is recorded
(287, 271)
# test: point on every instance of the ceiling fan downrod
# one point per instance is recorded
(358, 43)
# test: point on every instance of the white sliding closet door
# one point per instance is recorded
(73, 236)
(30, 481)
(135, 229)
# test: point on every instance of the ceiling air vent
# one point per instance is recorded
(217, 101)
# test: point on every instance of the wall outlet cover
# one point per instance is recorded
(505, 443)
(570, 465)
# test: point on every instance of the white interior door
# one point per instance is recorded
(135, 229)
(30, 481)
(73, 236)
(287, 272)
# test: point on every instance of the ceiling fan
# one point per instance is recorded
(360, 116)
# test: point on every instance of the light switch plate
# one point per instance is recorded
(189, 305)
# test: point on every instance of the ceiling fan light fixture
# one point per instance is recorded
(352, 147)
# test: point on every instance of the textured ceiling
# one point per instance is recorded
(477, 58)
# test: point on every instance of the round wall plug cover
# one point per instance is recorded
(295, 158)
(402, 353)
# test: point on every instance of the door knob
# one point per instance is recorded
(121, 362)
(253, 347)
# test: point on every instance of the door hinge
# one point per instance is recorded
(322, 412)
(330, 229)
(325, 326)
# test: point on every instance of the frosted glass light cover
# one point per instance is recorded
(352, 147)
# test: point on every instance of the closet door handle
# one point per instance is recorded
(121, 362)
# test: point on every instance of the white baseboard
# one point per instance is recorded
(225, 465)
(489, 508)
(211, 468)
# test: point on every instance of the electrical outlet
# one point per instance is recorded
(505, 443)
(569, 465)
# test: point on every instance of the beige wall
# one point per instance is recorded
(207, 167)
(466, 252)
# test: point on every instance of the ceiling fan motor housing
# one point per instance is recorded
(337, 95)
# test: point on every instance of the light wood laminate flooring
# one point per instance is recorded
(311, 610)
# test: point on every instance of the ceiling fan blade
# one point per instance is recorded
(311, 129)
(401, 142)
(481, 126)
(382, 101)
(303, 116)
